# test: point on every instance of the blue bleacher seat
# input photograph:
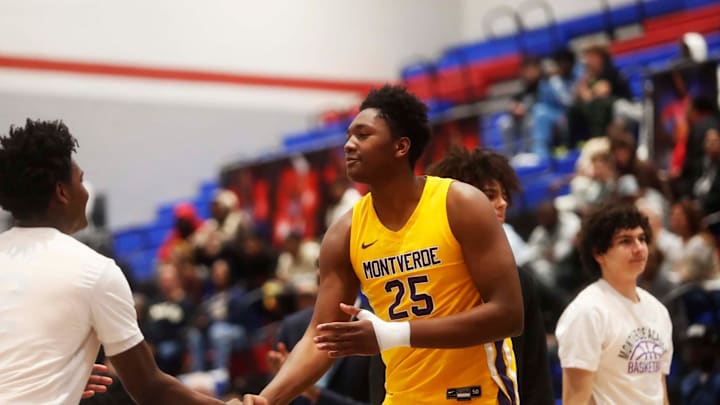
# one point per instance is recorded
(698, 3)
(583, 25)
(208, 188)
(128, 241)
(541, 41)
(156, 235)
(626, 14)
(312, 139)
(656, 8)
(566, 164)
(165, 215)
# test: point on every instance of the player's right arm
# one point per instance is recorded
(577, 386)
(148, 385)
(338, 283)
(115, 323)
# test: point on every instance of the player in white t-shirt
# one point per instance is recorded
(615, 339)
(59, 300)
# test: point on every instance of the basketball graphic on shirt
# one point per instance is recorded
(647, 349)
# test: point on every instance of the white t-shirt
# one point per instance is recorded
(627, 345)
(59, 300)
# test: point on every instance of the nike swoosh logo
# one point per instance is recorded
(365, 246)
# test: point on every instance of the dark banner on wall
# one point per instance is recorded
(673, 92)
(291, 194)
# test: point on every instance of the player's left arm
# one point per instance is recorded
(666, 400)
(491, 264)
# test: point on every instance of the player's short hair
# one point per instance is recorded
(33, 159)
(404, 113)
(478, 167)
(601, 224)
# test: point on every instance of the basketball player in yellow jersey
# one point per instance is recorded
(432, 258)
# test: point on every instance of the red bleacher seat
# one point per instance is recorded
(669, 34)
(502, 68)
(454, 84)
(423, 86)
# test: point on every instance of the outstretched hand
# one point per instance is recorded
(340, 339)
(96, 382)
(250, 399)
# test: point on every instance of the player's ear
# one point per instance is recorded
(402, 147)
(61, 192)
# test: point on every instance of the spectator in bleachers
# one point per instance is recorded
(624, 152)
(703, 115)
(595, 95)
(555, 96)
(664, 239)
(599, 186)
(167, 318)
(516, 126)
(212, 325)
(186, 223)
(693, 49)
(659, 277)
(341, 198)
(297, 263)
(698, 259)
(192, 280)
(225, 221)
(707, 187)
(552, 240)
(257, 261)
(702, 384)
(350, 380)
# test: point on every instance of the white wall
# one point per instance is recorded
(161, 154)
(475, 11)
(143, 141)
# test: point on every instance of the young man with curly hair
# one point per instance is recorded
(59, 300)
(431, 257)
(615, 339)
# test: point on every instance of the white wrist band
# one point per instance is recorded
(389, 334)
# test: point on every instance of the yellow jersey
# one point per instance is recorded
(418, 272)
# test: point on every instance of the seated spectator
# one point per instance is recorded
(212, 325)
(664, 253)
(703, 116)
(186, 223)
(298, 261)
(349, 381)
(553, 100)
(702, 384)
(167, 318)
(698, 260)
(516, 126)
(552, 240)
(341, 198)
(599, 186)
(595, 94)
(226, 219)
(623, 149)
(707, 187)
